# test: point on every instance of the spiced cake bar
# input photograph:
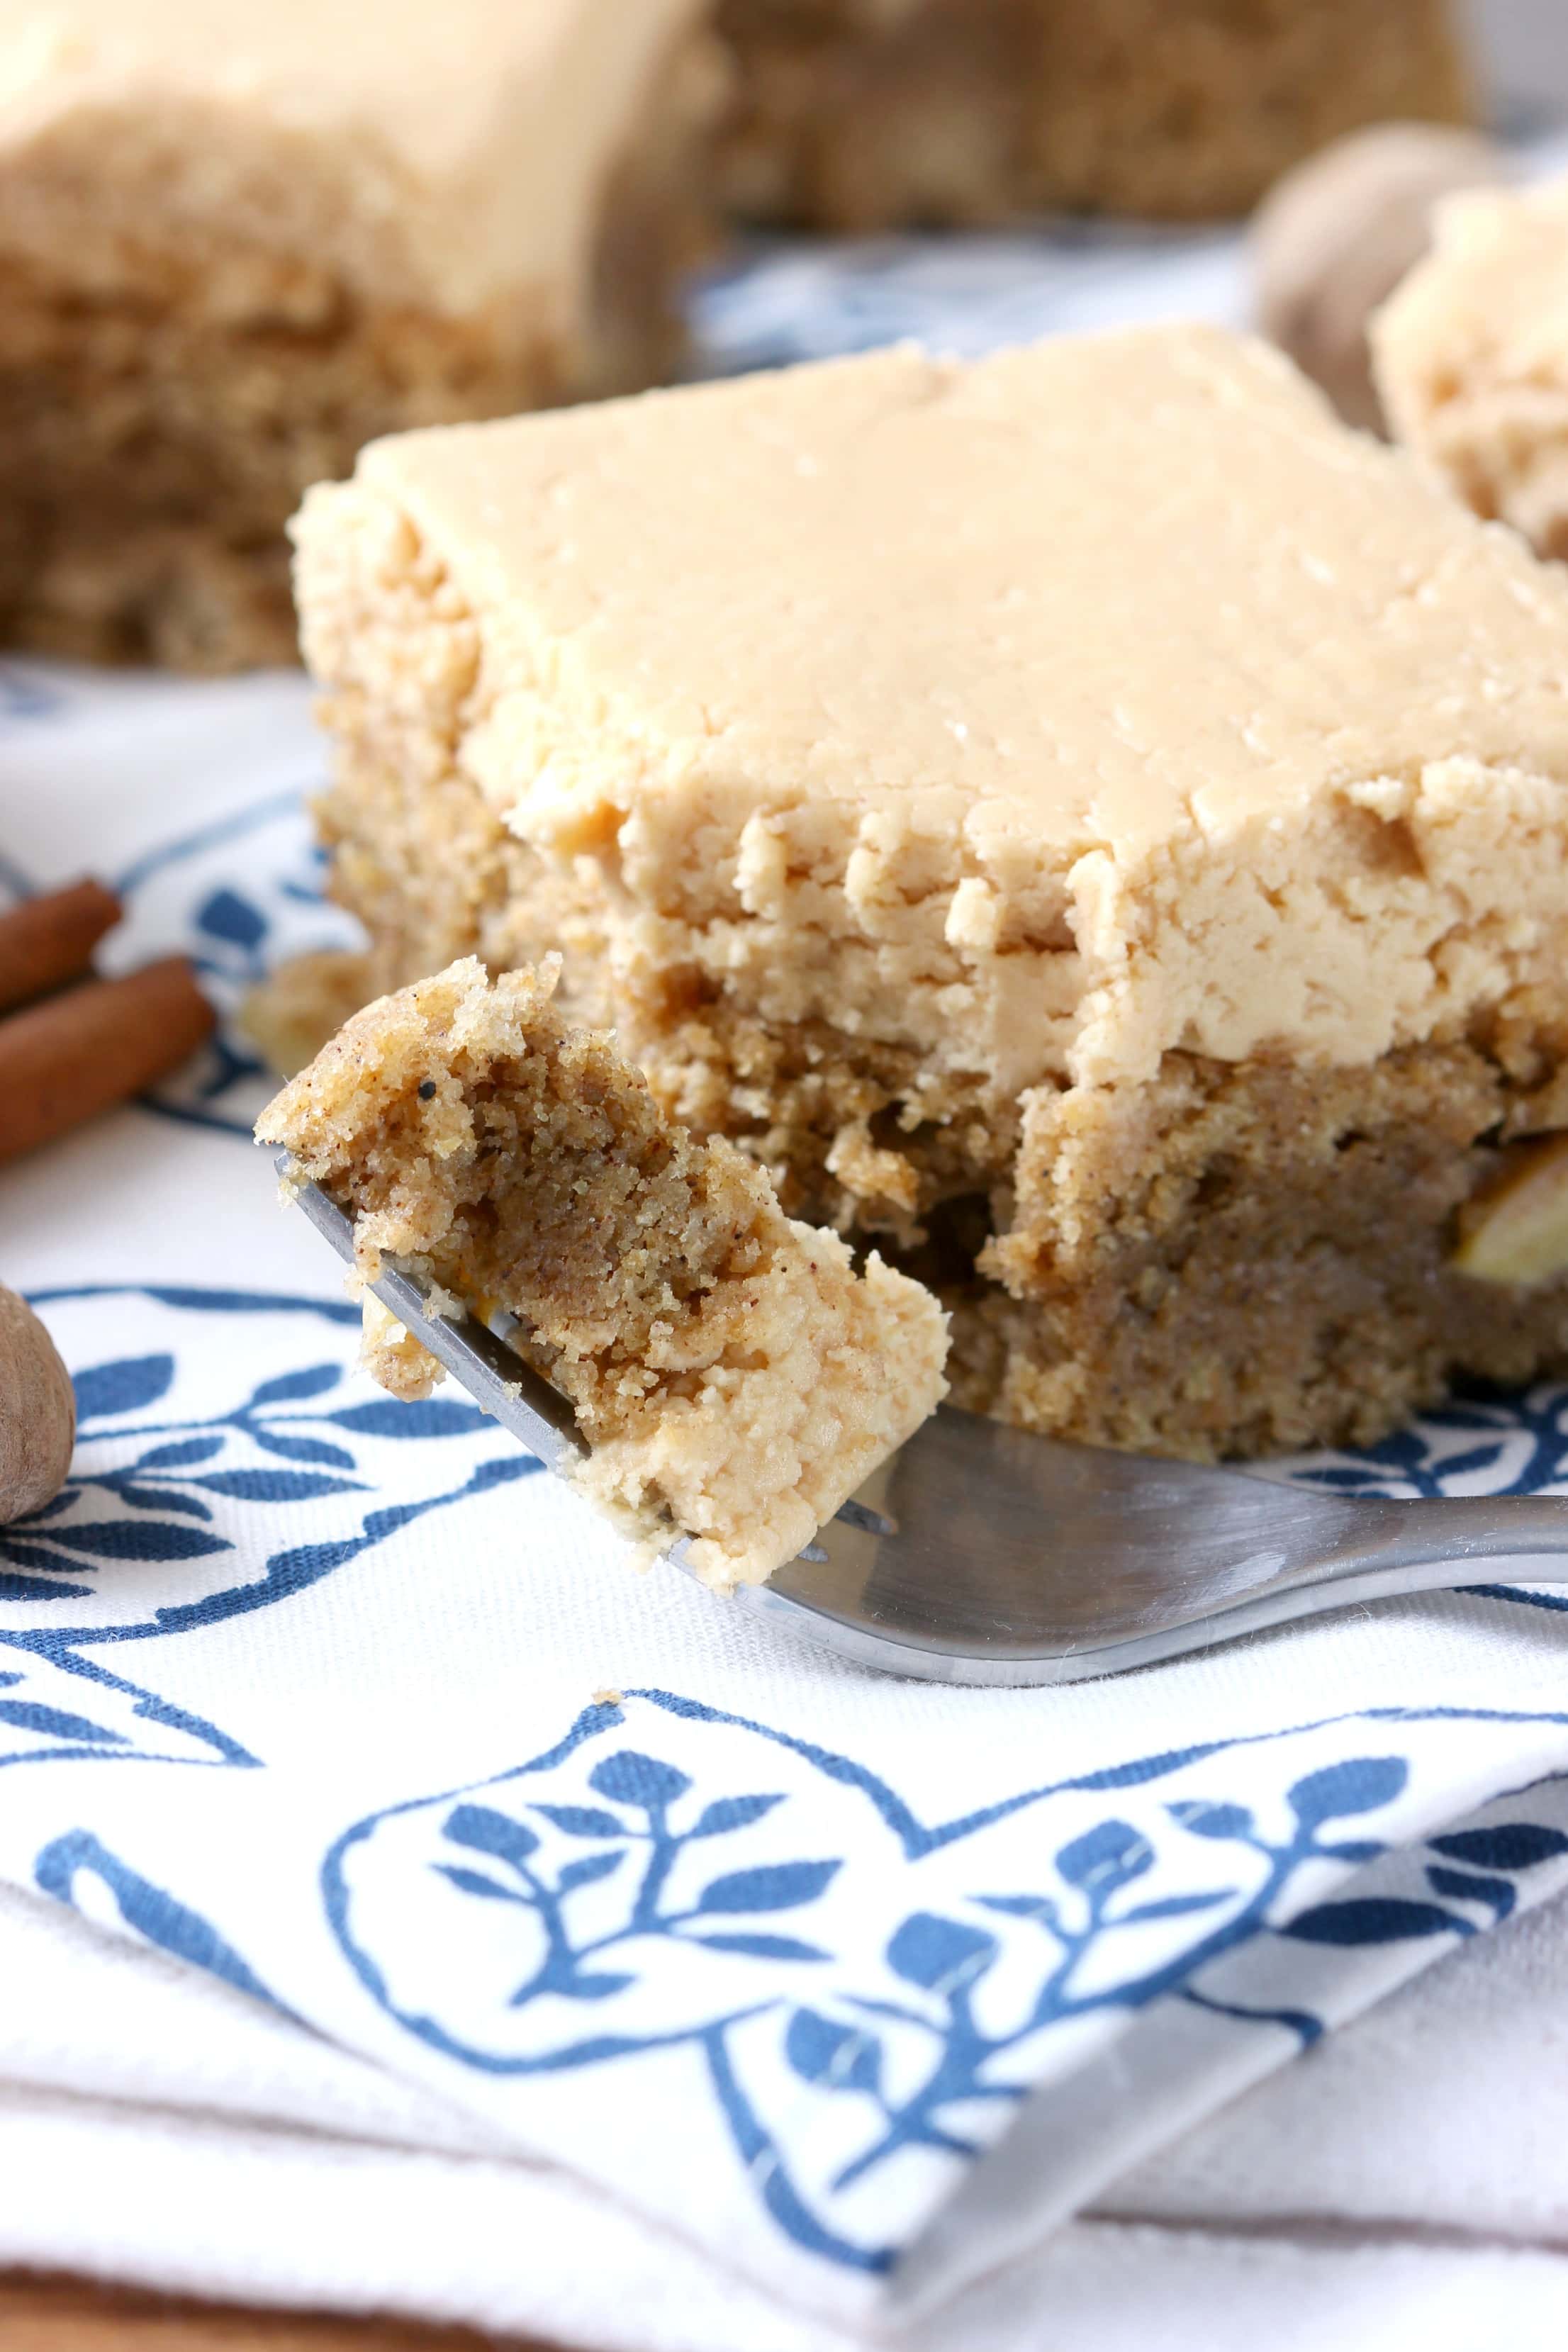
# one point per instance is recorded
(734, 1378)
(1086, 817)
(236, 242)
(867, 114)
(1472, 357)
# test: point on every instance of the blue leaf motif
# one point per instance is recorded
(1021, 1906)
(762, 1948)
(55, 1723)
(304, 1449)
(389, 1417)
(275, 1486)
(937, 1954)
(1207, 1821)
(37, 1588)
(926, 2020)
(229, 917)
(1406, 1446)
(1373, 1919)
(162, 1498)
(1511, 1845)
(584, 1820)
(180, 1455)
(1135, 1775)
(31, 1551)
(770, 1886)
(289, 1388)
(594, 1987)
(628, 1778)
(503, 1471)
(1359, 1785)
(128, 1385)
(147, 1908)
(1480, 1457)
(205, 1301)
(838, 2057)
(488, 1831)
(139, 1539)
(1105, 1857)
(731, 1813)
(474, 1882)
(591, 1866)
(1500, 1894)
(1177, 1906)
(51, 1510)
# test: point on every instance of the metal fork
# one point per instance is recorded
(982, 1554)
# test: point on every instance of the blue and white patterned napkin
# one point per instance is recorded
(853, 1984)
(342, 1701)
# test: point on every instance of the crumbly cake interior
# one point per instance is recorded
(861, 114)
(1153, 957)
(171, 384)
(1249, 1260)
(732, 1373)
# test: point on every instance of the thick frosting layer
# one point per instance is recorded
(440, 154)
(1041, 714)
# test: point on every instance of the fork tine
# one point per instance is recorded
(982, 1554)
(494, 1375)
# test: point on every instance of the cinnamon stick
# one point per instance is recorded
(78, 1054)
(46, 941)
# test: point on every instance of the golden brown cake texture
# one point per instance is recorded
(866, 114)
(1084, 816)
(1472, 357)
(236, 243)
(732, 1374)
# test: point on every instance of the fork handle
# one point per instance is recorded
(1447, 1530)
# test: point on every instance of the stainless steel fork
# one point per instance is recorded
(981, 1554)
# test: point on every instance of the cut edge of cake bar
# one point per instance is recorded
(734, 1378)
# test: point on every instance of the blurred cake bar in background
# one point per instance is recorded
(1087, 817)
(734, 1378)
(867, 114)
(1472, 358)
(290, 1016)
(236, 242)
(1331, 242)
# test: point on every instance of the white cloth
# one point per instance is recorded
(640, 1941)
(163, 2130)
(332, 1697)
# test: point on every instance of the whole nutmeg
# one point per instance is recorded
(37, 1412)
(1334, 239)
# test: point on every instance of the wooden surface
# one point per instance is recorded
(61, 2314)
